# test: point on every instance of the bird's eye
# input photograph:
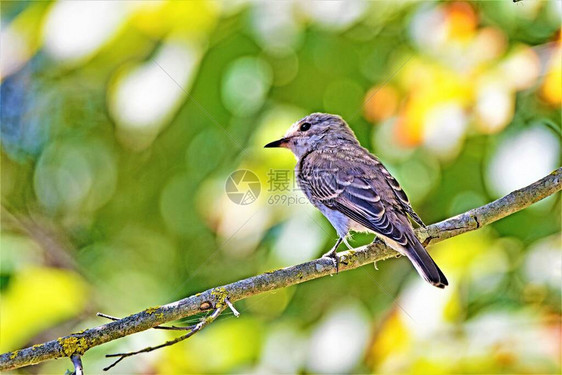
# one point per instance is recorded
(304, 127)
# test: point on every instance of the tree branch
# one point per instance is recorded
(220, 297)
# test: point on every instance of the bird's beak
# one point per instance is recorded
(279, 143)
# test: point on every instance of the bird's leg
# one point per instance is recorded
(332, 254)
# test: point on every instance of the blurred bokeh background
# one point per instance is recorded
(121, 122)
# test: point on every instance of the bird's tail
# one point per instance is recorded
(424, 264)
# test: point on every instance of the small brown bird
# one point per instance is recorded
(352, 188)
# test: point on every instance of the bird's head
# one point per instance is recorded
(315, 131)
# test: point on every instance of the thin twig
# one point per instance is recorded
(474, 219)
(167, 328)
(77, 362)
(198, 327)
(231, 307)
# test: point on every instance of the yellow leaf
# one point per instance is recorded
(392, 338)
(38, 298)
(219, 348)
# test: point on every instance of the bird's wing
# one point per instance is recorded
(401, 195)
(356, 186)
(353, 187)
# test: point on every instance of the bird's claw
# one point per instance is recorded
(332, 254)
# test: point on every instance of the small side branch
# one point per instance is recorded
(198, 327)
(77, 362)
(231, 307)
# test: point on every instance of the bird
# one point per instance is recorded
(354, 190)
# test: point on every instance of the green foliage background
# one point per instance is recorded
(105, 208)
